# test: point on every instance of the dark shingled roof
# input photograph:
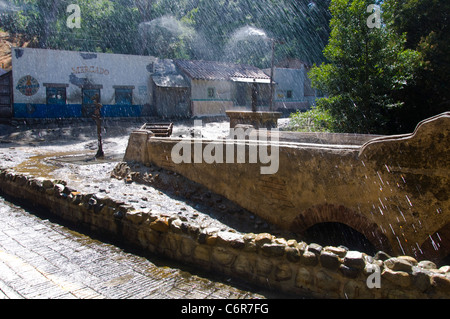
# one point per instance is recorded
(210, 70)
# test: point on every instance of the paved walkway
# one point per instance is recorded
(43, 260)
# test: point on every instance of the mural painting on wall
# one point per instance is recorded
(28, 85)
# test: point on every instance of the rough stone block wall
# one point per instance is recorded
(293, 267)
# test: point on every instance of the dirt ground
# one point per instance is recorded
(67, 152)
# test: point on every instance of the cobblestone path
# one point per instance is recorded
(43, 260)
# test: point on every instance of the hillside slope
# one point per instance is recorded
(6, 42)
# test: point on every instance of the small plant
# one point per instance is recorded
(314, 120)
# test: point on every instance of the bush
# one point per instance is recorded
(314, 120)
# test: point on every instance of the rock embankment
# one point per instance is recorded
(286, 265)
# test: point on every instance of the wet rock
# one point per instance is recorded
(273, 249)
(304, 279)
(293, 254)
(207, 237)
(354, 259)
(160, 225)
(264, 267)
(292, 243)
(243, 265)
(211, 240)
(175, 226)
(426, 264)
(381, 255)
(193, 230)
(309, 259)
(202, 254)
(315, 248)
(283, 272)
(399, 278)
(349, 272)
(441, 282)
(340, 251)
(444, 269)
(67, 190)
(21, 180)
(398, 264)
(421, 279)
(223, 256)
(302, 246)
(249, 240)
(47, 184)
(230, 239)
(409, 259)
(327, 282)
(137, 217)
(249, 237)
(76, 199)
(124, 208)
(329, 260)
(263, 238)
(92, 201)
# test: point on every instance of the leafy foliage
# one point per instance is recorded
(426, 24)
(201, 29)
(314, 120)
(366, 66)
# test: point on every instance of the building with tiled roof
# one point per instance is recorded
(211, 70)
(219, 86)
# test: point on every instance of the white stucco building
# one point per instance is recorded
(62, 84)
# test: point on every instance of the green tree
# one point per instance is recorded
(365, 67)
(205, 27)
(108, 26)
(426, 24)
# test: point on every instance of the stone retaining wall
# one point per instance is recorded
(293, 267)
(393, 189)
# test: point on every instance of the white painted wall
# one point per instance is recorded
(108, 70)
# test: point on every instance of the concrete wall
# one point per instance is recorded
(298, 268)
(393, 190)
(296, 81)
(75, 70)
(204, 105)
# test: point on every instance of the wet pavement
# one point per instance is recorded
(40, 259)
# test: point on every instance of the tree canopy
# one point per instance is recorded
(426, 26)
(387, 79)
(193, 29)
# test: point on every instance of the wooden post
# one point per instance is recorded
(98, 121)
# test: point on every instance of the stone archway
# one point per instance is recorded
(437, 246)
(326, 213)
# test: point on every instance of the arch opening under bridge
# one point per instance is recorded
(337, 223)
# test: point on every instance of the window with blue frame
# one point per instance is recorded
(56, 94)
(124, 95)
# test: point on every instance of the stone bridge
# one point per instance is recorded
(394, 190)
